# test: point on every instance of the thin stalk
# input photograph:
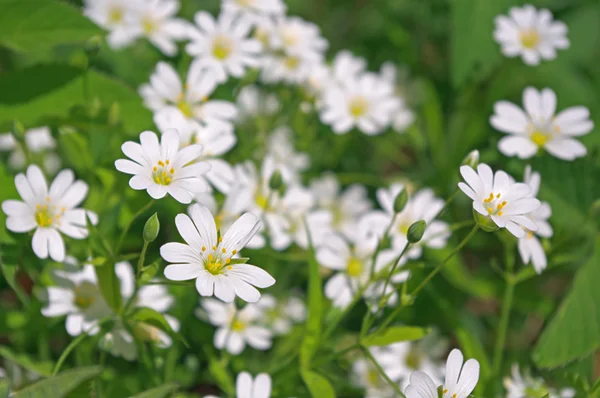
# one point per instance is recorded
(333, 325)
(130, 223)
(504, 318)
(379, 244)
(140, 264)
(371, 358)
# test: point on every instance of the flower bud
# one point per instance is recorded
(416, 231)
(400, 201)
(472, 159)
(113, 114)
(92, 46)
(151, 229)
(276, 181)
(485, 223)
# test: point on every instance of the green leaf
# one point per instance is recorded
(472, 348)
(155, 318)
(218, 370)
(573, 332)
(149, 272)
(8, 191)
(474, 51)
(312, 334)
(394, 334)
(75, 149)
(32, 25)
(158, 392)
(60, 385)
(109, 285)
(23, 360)
(34, 94)
(318, 385)
(584, 32)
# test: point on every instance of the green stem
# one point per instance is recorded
(371, 358)
(140, 264)
(67, 351)
(333, 325)
(379, 246)
(504, 318)
(433, 273)
(128, 226)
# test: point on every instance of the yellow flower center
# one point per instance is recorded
(162, 173)
(403, 228)
(539, 138)
(262, 35)
(373, 377)
(85, 295)
(185, 108)
(358, 106)
(244, 3)
(238, 326)
(494, 205)
(291, 62)
(148, 25)
(222, 47)
(354, 267)
(413, 359)
(47, 215)
(289, 38)
(530, 39)
(218, 259)
(262, 201)
(115, 15)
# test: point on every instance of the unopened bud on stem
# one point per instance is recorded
(416, 231)
(151, 229)
(400, 201)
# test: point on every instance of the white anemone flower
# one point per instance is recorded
(530, 248)
(346, 207)
(210, 259)
(531, 34)
(236, 328)
(191, 99)
(366, 103)
(497, 198)
(163, 168)
(215, 142)
(538, 127)
(49, 211)
(37, 140)
(519, 386)
(77, 296)
(223, 45)
(459, 383)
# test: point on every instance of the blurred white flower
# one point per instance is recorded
(256, 9)
(77, 296)
(162, 167)
(252, 102)
(191, 99)
(530, 248)
(366, 375)
(210, 259)
(459, 383)
(422, 205)
(114, 16)
(403, 117)
(531, 34)
(538, 127)
(280, 149)
(366, 102)
(223, 45)
(518, 386)
(236, 328)
(497, 198)
(215, 142)
(48, 211)
(38, 140)
(280, 315)
(347, 67)
(346, 207)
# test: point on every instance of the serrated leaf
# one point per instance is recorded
(30, 25)
(158, 392)
(318, 385)
(109, 285)
(23, 360)
(60, 385)
(394, 334)
(578, 315)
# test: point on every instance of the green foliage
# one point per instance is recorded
(60, 385)
(318, 385)
(578, 315)
(33, 25)
(40, 368)
(109, 285)
(159, 392)
(395, 334)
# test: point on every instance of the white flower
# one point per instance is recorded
(281, 151)
(538, 127)
(257, 9)
(162, 168)
(460, 380)
(345, 207)
(518, 386)
(223, 45)
(215, 142)
(530, 248)
(403, 117)
(166, 90)
(48, 211)
(260, 387)
(347, 67)
(236, 328)
(366, 102)
(210, 260)
(497, 197)
(114, 16)
(252, 102)
(366, 375)
(280, 315)
(530, 33)
(77, 296)
(38, 140)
